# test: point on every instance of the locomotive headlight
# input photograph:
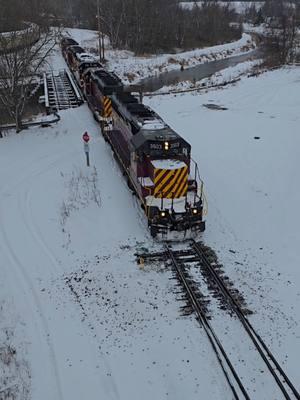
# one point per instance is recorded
(166, 145)
(162, 214)
(194, 211)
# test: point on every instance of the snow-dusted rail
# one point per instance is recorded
(286, 387)
(196, 302)
(193, 295)
(232, 302)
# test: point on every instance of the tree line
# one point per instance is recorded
(282, 21)
(13, 13)
(142, 26)
(153, 26)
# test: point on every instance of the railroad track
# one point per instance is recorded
(61, 91)
(181, 261)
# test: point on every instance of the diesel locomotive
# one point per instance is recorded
(154, 158)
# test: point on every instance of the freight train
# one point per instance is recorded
(154, 158)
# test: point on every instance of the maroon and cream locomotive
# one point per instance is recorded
(155, 159)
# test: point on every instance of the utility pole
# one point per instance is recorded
(100, 34)
(102, 37)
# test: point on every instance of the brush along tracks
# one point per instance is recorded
(254, 375)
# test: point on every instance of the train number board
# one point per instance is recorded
(160, 146)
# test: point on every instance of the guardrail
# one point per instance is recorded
(193, 89)
(46, 91)
(74, 86)
(12, 41)
(42, 122)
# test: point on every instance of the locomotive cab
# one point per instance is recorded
(72, 53)
(67, 42)
(169, 180)
(83, 66)
(158, 163)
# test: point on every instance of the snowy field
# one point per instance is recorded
(82, 317)
(132, 69)
(253, 193)
(79, 318)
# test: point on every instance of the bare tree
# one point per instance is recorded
(280, 17)
(113, 20)
(21, 59)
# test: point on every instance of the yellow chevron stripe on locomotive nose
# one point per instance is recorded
(170, 183)
(107, 107)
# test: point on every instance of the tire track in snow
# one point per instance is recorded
(30, 292)
(37, 235)
(24, 279)
(33, 299)
(27, 217)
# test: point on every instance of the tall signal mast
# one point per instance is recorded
(100, 34)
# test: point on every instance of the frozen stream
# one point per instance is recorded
(196, 73)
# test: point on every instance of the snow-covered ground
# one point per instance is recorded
(132, 69)
(79, 318)
(261, 29)
(92, 324)
(253, 193)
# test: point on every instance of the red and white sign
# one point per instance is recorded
(86, 137)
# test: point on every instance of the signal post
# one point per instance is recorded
(86, 147)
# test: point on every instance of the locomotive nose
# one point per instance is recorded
(170, 179)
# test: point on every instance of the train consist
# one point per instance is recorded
(155, 159)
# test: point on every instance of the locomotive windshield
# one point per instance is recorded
(167, 149)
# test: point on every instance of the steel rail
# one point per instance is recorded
(214, 340)
(255, 337)
(73, 83)
(46, 90)
(55, 91)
